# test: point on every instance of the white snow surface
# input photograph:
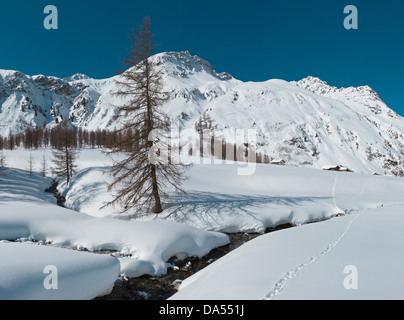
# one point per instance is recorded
(309, 124)
(28, 214)
(78, 275)
(303, 262)
(310, 261)
(218, 199)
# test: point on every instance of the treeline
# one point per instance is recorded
(60, 136)
(42, 138)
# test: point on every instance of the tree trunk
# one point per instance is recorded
(67, 165)
(155, 190)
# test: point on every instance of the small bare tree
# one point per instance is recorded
(138, 183)
(44, 164)
(65, 156)
(3, 162)
(30, 165)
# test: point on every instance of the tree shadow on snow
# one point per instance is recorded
(208, 208)
(17, 185)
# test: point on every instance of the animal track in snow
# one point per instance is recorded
(281, 283)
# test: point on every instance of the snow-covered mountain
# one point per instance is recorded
(305, 123)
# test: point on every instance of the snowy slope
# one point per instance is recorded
(218, 199)
(305, 123)
(30, 216)
(352, 257)
(32, 101)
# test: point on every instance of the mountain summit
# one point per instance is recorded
(304, 123)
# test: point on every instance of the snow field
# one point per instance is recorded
(310, 262)
(306, 262)
(29, 214)
(218, 199)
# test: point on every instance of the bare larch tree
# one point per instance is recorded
(139, 184)
(30, 165)
(3, 163)
(65, 155)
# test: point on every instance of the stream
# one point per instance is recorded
(162, 287)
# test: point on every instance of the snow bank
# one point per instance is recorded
(150, 244)
(72, 274)
(314, 261)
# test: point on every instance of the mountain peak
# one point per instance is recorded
(77, 76)
(315, 84)
(10, 73)
(320, 87)
(183, 64)
(313, 80)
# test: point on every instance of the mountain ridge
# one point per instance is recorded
(305, 122)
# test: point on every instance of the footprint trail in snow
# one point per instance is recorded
(281, 284)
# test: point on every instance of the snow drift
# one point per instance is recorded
(76, 275)
(29, 215)
(310, 262)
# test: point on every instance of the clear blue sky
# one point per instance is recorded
(253, 40)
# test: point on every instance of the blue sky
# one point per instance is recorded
(253, 40)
